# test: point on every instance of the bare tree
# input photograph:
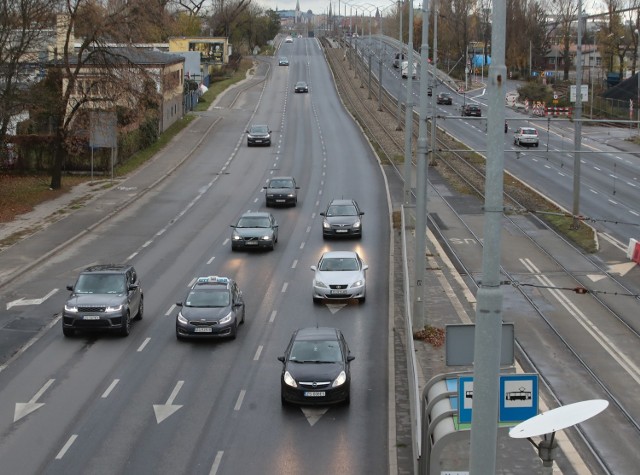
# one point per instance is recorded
(23, 32)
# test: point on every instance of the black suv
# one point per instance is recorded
(213, 308)
(342, 218)
(472, 109)
(105, 297)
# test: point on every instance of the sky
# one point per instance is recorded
(322, 6)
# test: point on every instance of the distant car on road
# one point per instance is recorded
(526, 136)
(288, 39)
(281, 190)
(301, 86)
(104, 297)
(444, 98)
(405, 70)
(342, 218)
(255, 230)
(259, 134)
(283, 61)
(213, 308)
(339, 275)
(315, 367)
(397, 61)
(472, 110)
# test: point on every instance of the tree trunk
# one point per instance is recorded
(58, 158)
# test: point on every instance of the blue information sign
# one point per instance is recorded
(518, 397)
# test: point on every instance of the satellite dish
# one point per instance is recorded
(559, 418)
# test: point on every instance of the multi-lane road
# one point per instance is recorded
(151, 404)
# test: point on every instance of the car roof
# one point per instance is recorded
(314, 333)
(342, 201)
(258, 214)
(281, 178)
(527, 130)
(339, 254)
(107, 268)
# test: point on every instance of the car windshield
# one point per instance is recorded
(323, 351)
(208, 298)
(259, 129)
(338, 264)
(301, 84)
(253, 222)
(529, 132)
(341, 210)
(281, 184)
(100, 284)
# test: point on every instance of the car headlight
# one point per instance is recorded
(236, 237)
(114, 308)
(322, 285)
(181, 319)
(326, 225)
(266, 237)
(226, 319)
(340, 380)
(289, 381)
(70, 308)
(357, 283)
(291, 195)
(356, 225)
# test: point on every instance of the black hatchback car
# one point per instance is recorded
(214, 308)
(281, 190)
(444, 98)
(105, 297)
(472, 110)
(342, 218)
(316, 367)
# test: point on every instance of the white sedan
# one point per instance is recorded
(339, 275)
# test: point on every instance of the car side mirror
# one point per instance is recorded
(351, 358)
(281, 358)
(246, 131)
(70, 287)
(322, 214)
(133, 286)
(361, 213)
(313, 268)
(178, 304)
(264, 187)
(232, 225)
(365, 267)
(237, 304)
(297, 187)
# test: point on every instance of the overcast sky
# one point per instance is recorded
(322, 6)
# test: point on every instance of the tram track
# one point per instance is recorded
(377, 125)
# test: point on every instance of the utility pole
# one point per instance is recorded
(486, 367)
(400, 50)
(578, 120)
(408, 113)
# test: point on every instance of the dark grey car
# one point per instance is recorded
(105, 297)
(255, 230)
(213, 308)
(342, 218)
(281, 190)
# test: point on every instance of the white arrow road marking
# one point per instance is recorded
(622, 268)
(25, 408)
(163, 411)
(23, 301)
(333, 308)
(313, 414)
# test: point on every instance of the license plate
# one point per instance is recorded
(202, 330)
(91, 317)
(314, 394)
(258, 141)
(279, 201)
(251, 243)
(338, 292)
(341, 230)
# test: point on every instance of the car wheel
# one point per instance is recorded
(347, 400)
(273, 246)
(316, 300)
(68, 332)
(140, 313)
(362, 299)
(242, 321)
(283, 401)
(126, 325)
(179, 337)
(234, 332)
(536, 144)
